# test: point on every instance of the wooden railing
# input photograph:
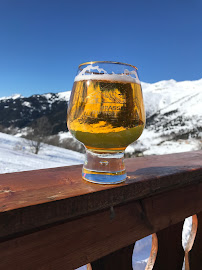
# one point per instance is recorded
(52, 219)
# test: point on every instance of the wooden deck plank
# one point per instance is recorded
(30, 200)
(77, 242)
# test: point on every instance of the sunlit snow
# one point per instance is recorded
(16, 155)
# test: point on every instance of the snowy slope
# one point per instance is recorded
(167, 96)
(173, 109)
(15, 156)
(174, 118)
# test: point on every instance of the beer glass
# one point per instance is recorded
(106, 113)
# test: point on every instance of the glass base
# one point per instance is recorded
(104, 168)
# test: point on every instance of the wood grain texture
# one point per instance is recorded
(89, 238)
(31, 200)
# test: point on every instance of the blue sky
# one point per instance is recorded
(42, 42)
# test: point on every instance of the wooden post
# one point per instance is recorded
(170, 253)
(119, 260)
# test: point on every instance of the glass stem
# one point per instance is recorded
(109, 168)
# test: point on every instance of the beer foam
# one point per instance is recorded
(101, 74)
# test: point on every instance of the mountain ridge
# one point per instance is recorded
(173, 109)
(20, 112)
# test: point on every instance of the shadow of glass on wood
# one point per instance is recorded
(159, 171)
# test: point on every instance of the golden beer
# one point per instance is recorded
(106, 115)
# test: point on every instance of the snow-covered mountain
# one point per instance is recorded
(19, 112)
(173, 109)
(174, 118)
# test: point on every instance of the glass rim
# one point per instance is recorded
(107, 62)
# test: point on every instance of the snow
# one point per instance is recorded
(48, 96)
(169, 147)
(27, 104)
(14, 96)
(16, 156)
(64, 95)
(150, 143)
(64, 135)
(176, 110)
(170, 95)
(59, 96)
